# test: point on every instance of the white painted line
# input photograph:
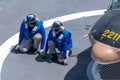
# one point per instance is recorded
(74, 16)
(5, 49)
(7, 45)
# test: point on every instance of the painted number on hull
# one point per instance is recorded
(111, 35)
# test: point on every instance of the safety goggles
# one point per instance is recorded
(56, 29)
(32, 23)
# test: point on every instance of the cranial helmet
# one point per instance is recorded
(31, 18)
(57, 24)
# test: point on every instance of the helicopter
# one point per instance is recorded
(105, 36)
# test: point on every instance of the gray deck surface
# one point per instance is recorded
(32, 67)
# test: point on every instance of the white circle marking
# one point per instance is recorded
(5, 48)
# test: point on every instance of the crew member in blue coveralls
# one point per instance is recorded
(32, 33)
(59, 39)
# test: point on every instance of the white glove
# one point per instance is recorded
(57, 51)
(41, 51)
(17, 47)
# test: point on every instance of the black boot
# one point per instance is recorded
(54, 57)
